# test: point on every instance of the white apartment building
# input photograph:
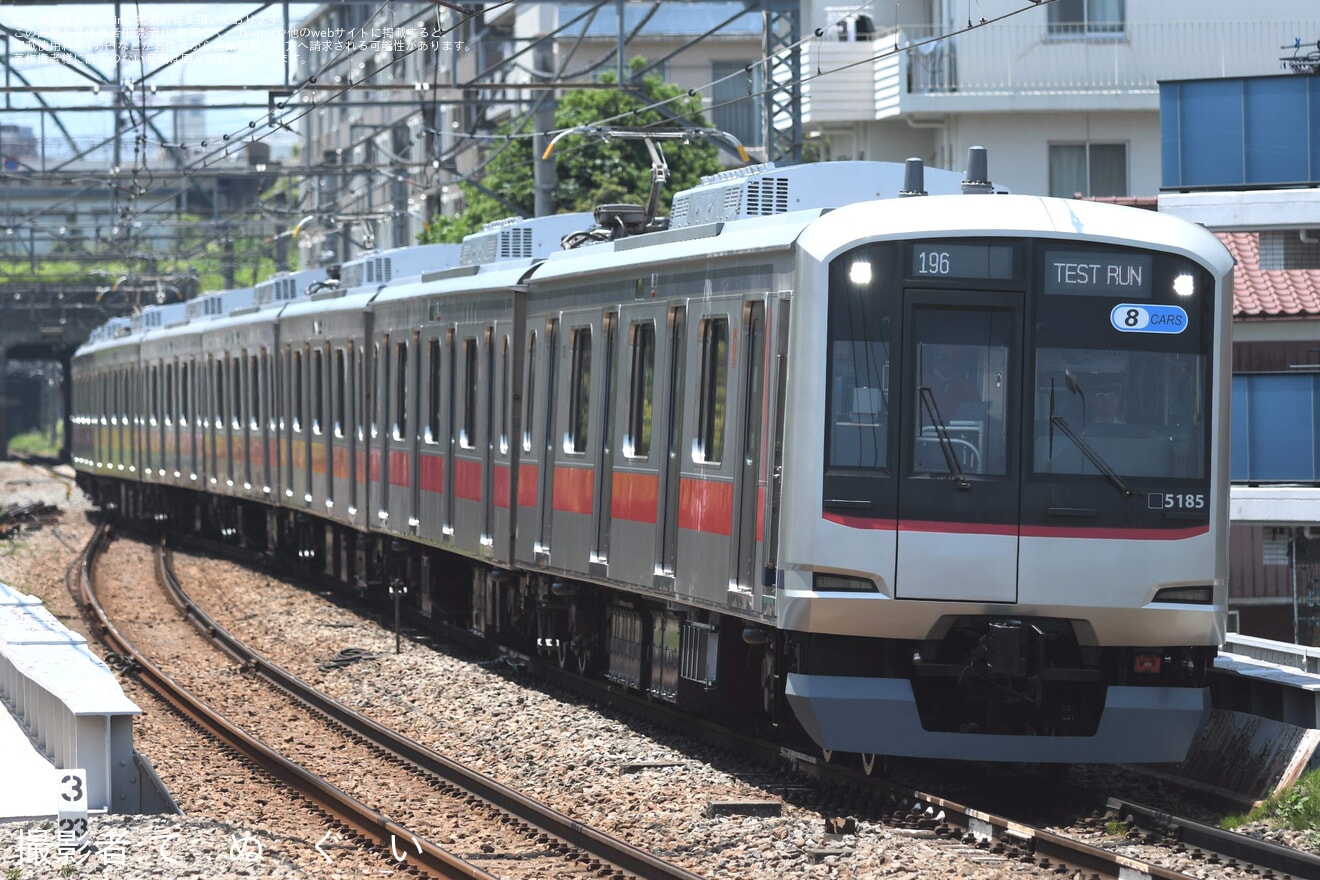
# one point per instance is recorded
(388, 153)
(1064, 94)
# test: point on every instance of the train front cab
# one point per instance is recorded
(992, 572)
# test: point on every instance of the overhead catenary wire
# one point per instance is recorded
(289, 113)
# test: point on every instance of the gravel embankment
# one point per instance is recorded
(567, 754)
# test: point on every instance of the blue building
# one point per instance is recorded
(1241, 156)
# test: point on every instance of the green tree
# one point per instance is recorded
(590, 171)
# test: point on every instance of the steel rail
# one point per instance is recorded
(622, 855)
(1260, 853)
(341, 806)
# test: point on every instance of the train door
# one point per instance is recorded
(215, 422)
(284, 424)
(252, 419)
(488, 445)
(339, 468)
(958, 495)
(305, 408)
(347, 492)
(545, 493)
(173, 465)
(410, 374)
(468, 524)
(233, 417)
(266, 413)
(318, 436)
(675, 354)
(502, 478)
(187, 423)
(395, 477)
(372, 395)
(450, 389)
(605, 451)
(522, 504)
(359, 407)
(746, 478)
(636, 456)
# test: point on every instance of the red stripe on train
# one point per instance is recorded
(948, 528)
(705, 506)
(633, 496)
(502, 485)
(431, 470)
(467, 479)
(573, 489)
(527, 476)
(400, 468)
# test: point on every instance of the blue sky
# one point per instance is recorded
(249, 54)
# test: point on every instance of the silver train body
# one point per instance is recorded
(940, 476)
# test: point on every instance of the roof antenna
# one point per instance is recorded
(977, 179)
(914, 178)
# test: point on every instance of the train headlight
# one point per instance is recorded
(1184, 285)
(860, 272)
(1202, 595)
(838, 583)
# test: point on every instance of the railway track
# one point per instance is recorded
(538, 835)
(979, 835)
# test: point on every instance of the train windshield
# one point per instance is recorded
(1015, 380)
(1140, 412)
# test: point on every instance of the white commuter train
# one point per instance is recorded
(937, 475)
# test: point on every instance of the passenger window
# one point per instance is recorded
(297, 382)
(709, 443)
(236, 389)
(401, 390)
(467, 435)
(579, 405)
(318, 392)
(341, 378)
(373, 372)
(155, 398)
(530, 396)
(432, 434)
(637, 441)
(184, 414)
(504, 398)
(254, 394)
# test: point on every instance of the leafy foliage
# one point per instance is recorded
(1298, 807)
(197, 251)
(38, 444)
(590, 172)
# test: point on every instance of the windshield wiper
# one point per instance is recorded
(946, 443)
(1123, 488)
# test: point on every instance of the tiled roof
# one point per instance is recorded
(1260, 293)
(1257, 292)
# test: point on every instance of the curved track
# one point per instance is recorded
(983, 834)
(353, 814)
(599, 852)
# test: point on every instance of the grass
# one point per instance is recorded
(36, 444)
(1297, 808)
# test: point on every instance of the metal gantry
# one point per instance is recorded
(150, 171)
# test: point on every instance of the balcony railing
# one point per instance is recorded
(1012, 59)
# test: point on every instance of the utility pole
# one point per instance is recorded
(543, 170)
